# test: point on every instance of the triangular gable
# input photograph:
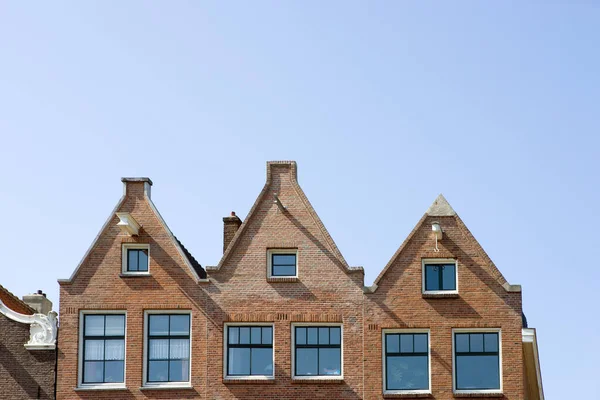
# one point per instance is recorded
(175, 242)
(441, 208)
(265, 192)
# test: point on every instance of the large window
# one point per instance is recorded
(103, 349)
(282, 263)
(439, 276)
(317, 351)
(477, 361)
(406, 361)
(168, 354)
(249, 351)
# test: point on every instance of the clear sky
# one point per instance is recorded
(384, 105)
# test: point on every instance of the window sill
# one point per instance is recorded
(406, 394)
(100, 387)
(167, 387)
(283, 279)
(249, 380)
(441, 295)
(319, 380)
(129, 275)
(478, 394)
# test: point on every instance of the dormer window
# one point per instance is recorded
(282, 263)
(440, 276)
(136, 259)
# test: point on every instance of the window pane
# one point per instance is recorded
(330, 362)
(142, 260)
(300, 335)
(406, 343)
(115, 325)
(462, 342)
(306, 362)
(421, 343)
(284, 270)
(180, 325)
(94, 325)
(262, 361)
(114, 349)
(159, 325)
(239, 361)
(392, 344)
(180, 349)
(284, 259)
(255, 333)
(158, 371)
(449, 277)
(323, 335)
(114, 371)
(244, 335)
(234, 335)
(132, 260)
(267, 335)
(334, 335)
(312, 335)
(94, 350)
(432, 279)
(404, 373)
(93, 371)
(477, 372)
(476, 342)
(179, 370)
(491, 342)
(158, 349)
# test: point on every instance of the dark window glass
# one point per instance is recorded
(406, 361)
(318, 351)
(103, 348)
(283, 264)
(137, 260)
(168, 348)
(440, 277)
(250, 351)
(477, 361)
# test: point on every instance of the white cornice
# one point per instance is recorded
(42, 331)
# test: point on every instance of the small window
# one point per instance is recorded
(477, 361)
(168, 356)
(439, 276)
(406, 362)
(103, 349)
(136, 259)
(249, 351)
(317, 351)
(282, 263)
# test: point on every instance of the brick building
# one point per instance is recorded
(283, 315)
(27, 369)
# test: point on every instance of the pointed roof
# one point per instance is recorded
(440, 208)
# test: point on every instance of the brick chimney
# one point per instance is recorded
(230, 226)
(38, 302)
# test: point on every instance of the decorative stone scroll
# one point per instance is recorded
(43, 329)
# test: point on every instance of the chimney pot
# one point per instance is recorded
(230, 226)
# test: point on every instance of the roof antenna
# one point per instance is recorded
(278, 202)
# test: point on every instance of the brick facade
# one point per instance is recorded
(327, 290)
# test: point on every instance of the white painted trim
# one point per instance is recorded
(163, 385)
(500, 367)
(529, 336)
(42, 328)
(383, 348)
(128, 224)
(270, 253)
(127, 246)
(430, 261)
(293, 350)
(225, 351)
(99, 386)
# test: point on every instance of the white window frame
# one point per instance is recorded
(430, 261)
(477, 330)
(226, 350)
(270, 253)
(164, 385)
(124, 256)
(383, 359)
(293, 350)
(99, 386)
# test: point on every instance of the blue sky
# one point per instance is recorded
(384, 105)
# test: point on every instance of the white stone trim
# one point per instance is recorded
(270, 253)
(128, 224)
(431, 261)
(383, 348)
(127, 246)
(529, 336)
(293, 350)
(42, 330)
(226, 351)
